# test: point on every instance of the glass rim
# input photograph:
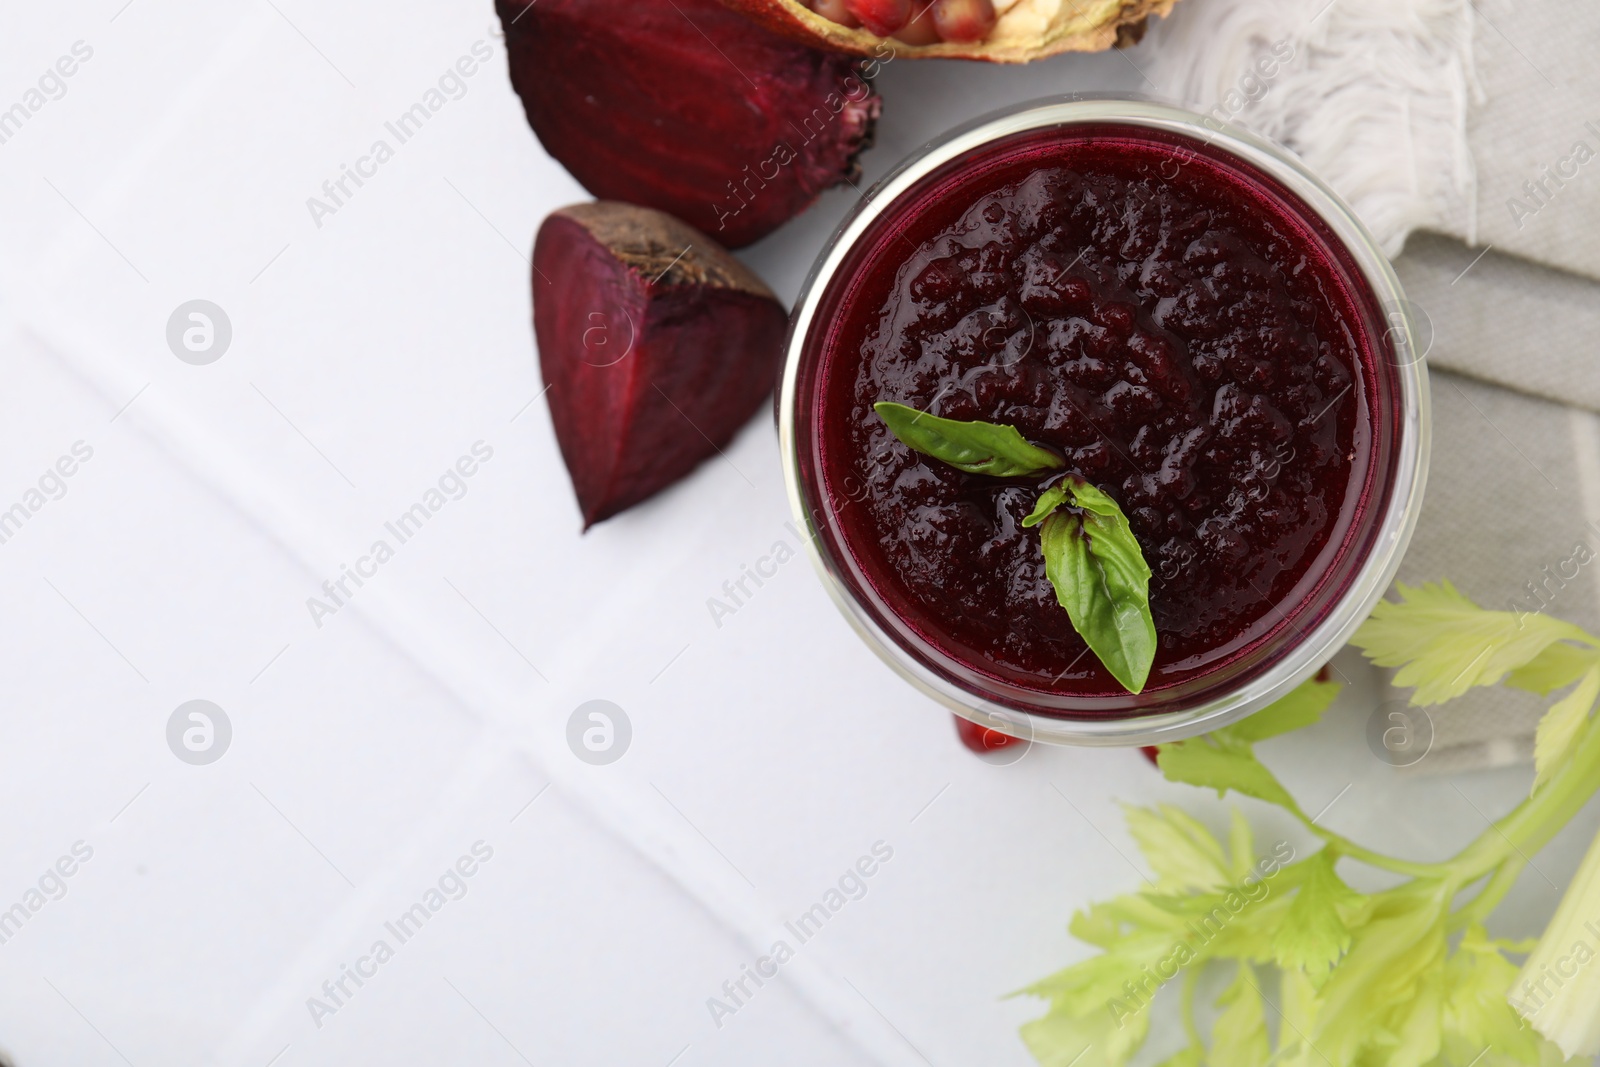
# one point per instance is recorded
(1392, 532)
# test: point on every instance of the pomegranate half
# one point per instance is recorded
(1022, 30)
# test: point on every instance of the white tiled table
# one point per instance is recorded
(373, 751)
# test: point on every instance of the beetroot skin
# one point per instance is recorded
(656, 345)
(688, 107)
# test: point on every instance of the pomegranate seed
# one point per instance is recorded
(963, 20)
(836, 11)
(920, 30)
(882, 17)
(981, 739)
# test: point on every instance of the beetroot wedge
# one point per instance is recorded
(656, 345)
(688, 107)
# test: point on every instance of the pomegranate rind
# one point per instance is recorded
(1027, 30)
(655, 346)
(686, 107)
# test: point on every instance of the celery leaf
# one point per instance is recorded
(1239, 1038)
(1382, 1003)
(1302, 707)
(1181, 851)
(1314, 936)
(1242, 846)
(1476, 1013)
(1096, 1039)
(1444, 644)
(1561, 725)
(1555, 668)
(1216, 764)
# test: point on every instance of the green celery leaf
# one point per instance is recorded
(1241, 845)
(1098, 1039)
(1193, 1056)
(1181, 851)
(1555, 668)
(1521, 947)
(1239, 1038)
(1476, 1013)
(1234, 923)
(1313, 936)
(1444, 644)
(1101, 578)
(1101, 982)
(1302, 707)
(1383, 1003)
(975, 447)
(1110, 922)
(1560, 726)
(1213, 764)
(1297, 1013)
(1419, 1032)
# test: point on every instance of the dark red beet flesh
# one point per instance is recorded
(655, 344)
(688, 107)
(1189, 345)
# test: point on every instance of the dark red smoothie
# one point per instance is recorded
(1176, 326)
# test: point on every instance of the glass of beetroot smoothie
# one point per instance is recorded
(1162, 333)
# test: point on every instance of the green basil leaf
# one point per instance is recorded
(975, 447)
(1101, 578)
(1049, 500)
(1092, 499)
(1076, 491)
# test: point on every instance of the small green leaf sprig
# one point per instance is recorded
(1090, 554)
(1407, 976)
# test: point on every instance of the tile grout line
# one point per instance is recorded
(629, 817)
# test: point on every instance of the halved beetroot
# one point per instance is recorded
(656, 345)
(1014, 31)
(686, 106)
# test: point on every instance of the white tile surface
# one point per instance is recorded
(371, 752)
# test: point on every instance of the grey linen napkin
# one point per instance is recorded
(1466, 133)
(1512, 513)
